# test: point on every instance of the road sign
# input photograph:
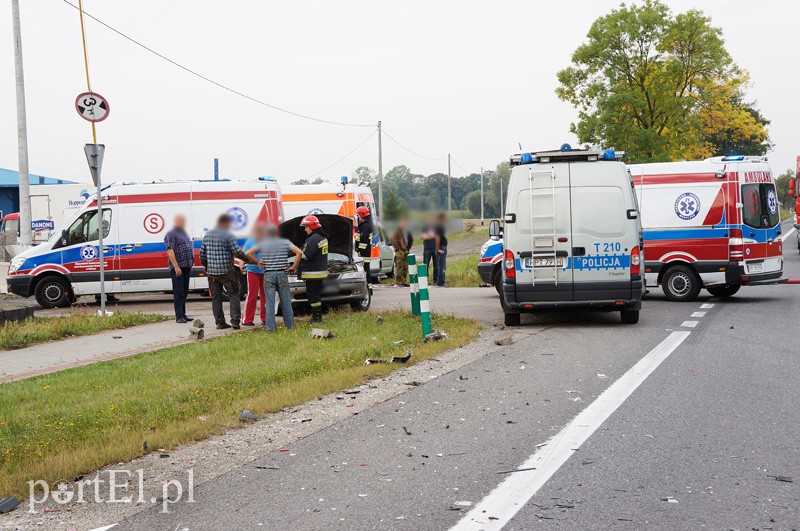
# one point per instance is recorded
(92, 106)
(94, 156)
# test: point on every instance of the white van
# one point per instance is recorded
(572, 236)
(135, 219)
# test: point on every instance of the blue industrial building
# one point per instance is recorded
(9, 188)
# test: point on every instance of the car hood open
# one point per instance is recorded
(339, 230)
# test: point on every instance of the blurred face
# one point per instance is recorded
(180, 222)
(259, 231)
(225, 225)
(402, 223)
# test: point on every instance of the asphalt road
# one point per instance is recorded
(697, 427)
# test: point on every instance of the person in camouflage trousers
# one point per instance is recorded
(402, 240)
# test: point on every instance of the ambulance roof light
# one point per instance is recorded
(268, 179)
(345, 180)
(609, 154)
(526, 158)
(565, 148)
(733, 158)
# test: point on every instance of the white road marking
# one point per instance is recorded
(791, 231)
(689, 324)
(699, 314)
(707, 306)
(106, 528)
(513, 493)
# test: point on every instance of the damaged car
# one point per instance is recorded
(346, 282)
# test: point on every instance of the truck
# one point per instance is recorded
(134, 221)
(712, 224)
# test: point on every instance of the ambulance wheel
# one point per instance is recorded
(728, 290)
(497, 280)
(53, 292)
(364, 304)
(512, 319)
(629, 316)
(681, 284)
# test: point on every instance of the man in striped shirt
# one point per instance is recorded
(275, 252)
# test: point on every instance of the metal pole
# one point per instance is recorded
(22, 134)
(380, 170)
(481, 195)
(424, 300)
(216, 169)
(102, 254)
(414, 281)
(502, 215)
(449, 205)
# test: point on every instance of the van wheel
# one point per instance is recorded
(681, 284)
(728, 290)
(512, 319)
(629, 316)
(362, 305)
(53, 292)
(497, 280)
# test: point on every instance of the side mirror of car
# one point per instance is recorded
(64, 237)
(632, 213)
(494, 230)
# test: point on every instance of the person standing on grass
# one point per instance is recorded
(441, 250)
(402, 240)
(180, 258)
(429, 246)
(255, 277)
(275, 252)
(217, 252)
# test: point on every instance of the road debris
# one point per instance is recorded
(351, 391)
(197, 333)
(144, 447)
(379, 319)
(785, 479)
(261, 467)
(247, 416)
(517, 470)
(412, 383)
(436, 335)
(8, 504)
(508, 340)
(395, 359)
(321, 333)
(197, 323)
(408, 432)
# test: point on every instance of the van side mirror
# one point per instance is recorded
(632, 213)
(494, 230)
(64, 237)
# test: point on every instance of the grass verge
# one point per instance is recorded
(60, 425)
(462, 272)
(42, 329)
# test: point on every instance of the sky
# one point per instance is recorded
(472, 78)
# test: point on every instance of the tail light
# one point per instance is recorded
(509, 264)
(636, 262)
(736, 245)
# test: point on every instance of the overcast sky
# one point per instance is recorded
(471, 78)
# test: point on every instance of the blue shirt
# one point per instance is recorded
(252, 268)
(181, 245)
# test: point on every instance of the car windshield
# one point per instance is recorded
(760, 205)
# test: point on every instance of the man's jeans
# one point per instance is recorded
(180, 288)
(278, 281)
(442, 269)
(231, 287)
(429, 255)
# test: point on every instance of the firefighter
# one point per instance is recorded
(314, 264)
(364, 239)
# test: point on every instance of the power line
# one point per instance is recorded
(460, 166)
(412, 152)
(348, 154)
(209, 80)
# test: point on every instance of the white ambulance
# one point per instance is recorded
(712, 224)
(572, 237)
(342, 199)
(135, 219)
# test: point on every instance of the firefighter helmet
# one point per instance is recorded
(362, 211)
(311, 222)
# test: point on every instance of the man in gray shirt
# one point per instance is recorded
(274, 252)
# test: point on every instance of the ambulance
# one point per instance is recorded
(712, 224)
(135, 219)
(342, 199)
(572, 236)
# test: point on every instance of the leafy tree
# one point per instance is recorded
(472, 202)
(318, 180)
(782, 185)
(301, 181)
(501, 174)
(364, 175)
(660, 86)
(394, 207)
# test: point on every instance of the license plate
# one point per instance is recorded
(756, 268)
(545, 262)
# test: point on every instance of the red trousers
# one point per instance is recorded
(255, 290)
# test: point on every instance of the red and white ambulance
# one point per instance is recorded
(135, 219)
(712, 224)
(342, 199)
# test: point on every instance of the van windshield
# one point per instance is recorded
(760, 205)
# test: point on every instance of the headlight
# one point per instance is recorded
(483, 248)
(15, 264)
(352, 275)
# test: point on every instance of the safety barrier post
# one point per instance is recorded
(412, 279)
(424, 300)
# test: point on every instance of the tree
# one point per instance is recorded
(782, 186)
(394, 207)
(363, 175)
(501, 174)
(301, 181)
(660, 86)
(472, 202)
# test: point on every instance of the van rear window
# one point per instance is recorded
(760, 209)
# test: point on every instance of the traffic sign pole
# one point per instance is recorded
(94, 156)
(424, 300)
(412, 279)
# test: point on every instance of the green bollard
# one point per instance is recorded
(424, 300)
(412, 279)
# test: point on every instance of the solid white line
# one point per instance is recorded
(698, 314)
(791, 231)
(706, 306)
(689, 324)
(513, 493)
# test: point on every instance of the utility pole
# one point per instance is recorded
(449, 206)
(380, 170)
(502, 215)
(22, 133)
(481, 195)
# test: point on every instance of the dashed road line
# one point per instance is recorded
(500, 505)
(699, 314)
(706, 306)
(689, 324)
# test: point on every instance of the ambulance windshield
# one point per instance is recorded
(760, 205)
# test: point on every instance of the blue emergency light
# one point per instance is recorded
(526, 158)
(344, 179)
(609, 154)
(566, 148)
(733, 158)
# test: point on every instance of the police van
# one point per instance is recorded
(134, 221)
(572, 237)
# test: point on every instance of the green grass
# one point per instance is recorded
(463, 272)
(42, 329)
(785, 213)
(76, 421)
